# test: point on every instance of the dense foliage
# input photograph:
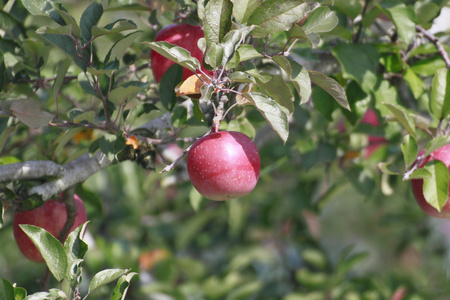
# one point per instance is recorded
(339, 97)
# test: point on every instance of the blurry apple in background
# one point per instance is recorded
(183, 35)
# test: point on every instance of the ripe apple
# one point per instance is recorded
(183, 35)
(51, 216)
(223, 165)
(442, 154)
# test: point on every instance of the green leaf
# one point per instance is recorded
(63, 66)
(298, 33)
(6, 133)
(440, 94)
(273, 16)
(247, 52)
(331, 86)
(428, 66)
(415, 83)
(298, 75)
(143, 109)
(43, 8)
(363, 72)
(436, 178)
(6, 290)
(171, 78)
(74, 245)
(124, 92)
(39, 296)
(278, 89)
(217, 20)
(214, 55)
(66, 44)
(351, 8)
(90, 17)
(436, 143)
(403, 117)
(409, 149)
(390, 169)
(425, 12)
(243, 9)
(104, 277)
(232, 41)
(403, 18)
(175, 53)
(50, 248)
(272, 112)
(322, 19)
(114, 27)
(119, 47)
(31, 113)
(120, 291)
(69, 20)
(112, 144)
(19, 293)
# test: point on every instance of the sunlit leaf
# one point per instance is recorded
(50, 248)
(402, 16)
(440, 94)
(271, 111)
(104, 277)
(403, 117)
(436, 178)
(217, 20)
(114, 27)
(273, 16)
(119, 47)
(121, 289)
(322, 19)
(331, 86)
(436, 143)
(409, 149)
(175, 53)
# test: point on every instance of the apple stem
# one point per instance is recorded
(219, 112)
(71, 210)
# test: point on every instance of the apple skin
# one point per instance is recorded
(183, 35)
(223, 165)
(51, 216)
(442, 154)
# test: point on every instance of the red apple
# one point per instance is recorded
(51, 216)
(223, 165)
(442, 154)
(183, 35)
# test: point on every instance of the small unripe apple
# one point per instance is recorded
(442, 154)
(51, 216)
(223, 165)
(183, 35)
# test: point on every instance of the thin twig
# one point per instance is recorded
(436, 43)
(172, 165)
(357, 36)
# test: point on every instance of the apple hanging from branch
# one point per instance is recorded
(223, 165)
(51, 216)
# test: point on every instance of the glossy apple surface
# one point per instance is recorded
(51, 216)
(224, 165)
(442, 154)
(183, 35)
